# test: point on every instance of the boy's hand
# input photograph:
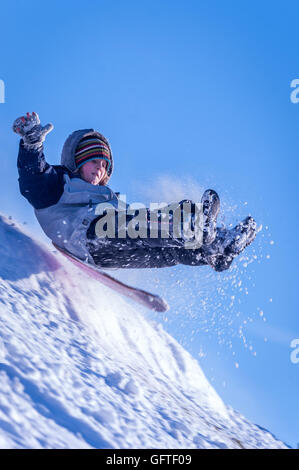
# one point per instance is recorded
(29, 128)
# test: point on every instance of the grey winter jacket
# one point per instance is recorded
(66, 222)
(64, 204)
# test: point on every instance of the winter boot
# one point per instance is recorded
(230, 243)
(210, 206)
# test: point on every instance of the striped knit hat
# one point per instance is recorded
(91, 148)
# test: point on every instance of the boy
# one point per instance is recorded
(65, 199)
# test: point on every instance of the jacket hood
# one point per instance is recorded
(70, 145)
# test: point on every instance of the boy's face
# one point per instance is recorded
(94, 171)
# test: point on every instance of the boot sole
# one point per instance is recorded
(211, 206)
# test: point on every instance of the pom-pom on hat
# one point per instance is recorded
(91, 148)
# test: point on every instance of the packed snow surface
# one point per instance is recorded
(80, 367)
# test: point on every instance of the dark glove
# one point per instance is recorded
(29, 128)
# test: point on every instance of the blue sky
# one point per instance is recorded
(191, 95)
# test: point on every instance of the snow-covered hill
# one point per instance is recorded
(80, 367)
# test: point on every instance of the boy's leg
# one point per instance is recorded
(161, 239)
(134, 253)
(210, 206)
(163, 227)
(133, 258)
(229, 244)
(146, 257)
(141, 253)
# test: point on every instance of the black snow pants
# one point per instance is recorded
(142, 253)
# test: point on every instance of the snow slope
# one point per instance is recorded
(80, 367)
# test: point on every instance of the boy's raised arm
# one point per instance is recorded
(40, 183)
